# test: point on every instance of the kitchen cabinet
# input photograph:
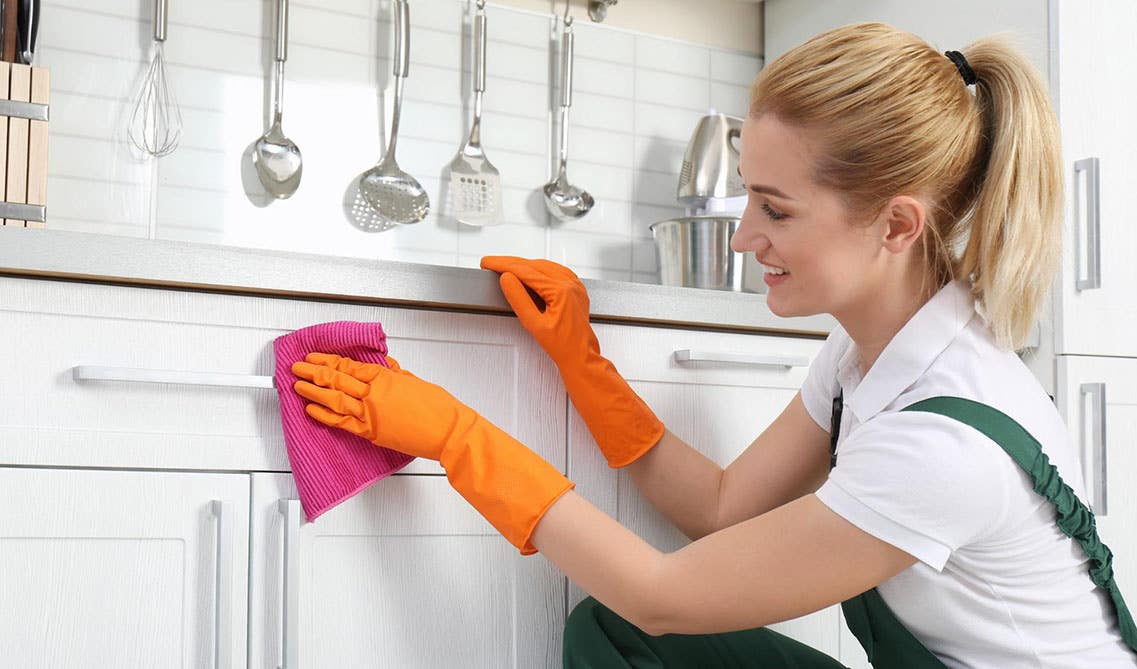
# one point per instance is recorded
(123, 569)
(717, 391)
(1098, 398)
(110, 493)
(1092, 76)
(405, 574)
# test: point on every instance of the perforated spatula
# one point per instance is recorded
(473, 194)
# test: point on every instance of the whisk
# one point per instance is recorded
(156, 122)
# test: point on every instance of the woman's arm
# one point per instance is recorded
(796, 559)
(789, 459)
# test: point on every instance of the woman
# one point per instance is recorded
(916, 197)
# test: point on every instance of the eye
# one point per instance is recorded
(773, 214)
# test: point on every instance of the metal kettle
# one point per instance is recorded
(710, 165)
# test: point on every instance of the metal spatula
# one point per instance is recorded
(473, 194)
(392, 193)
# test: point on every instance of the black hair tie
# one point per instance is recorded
(965, 70)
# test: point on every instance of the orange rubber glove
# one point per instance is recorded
(620, 422)
(499, 476)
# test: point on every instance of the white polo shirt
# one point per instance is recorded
(997, 583)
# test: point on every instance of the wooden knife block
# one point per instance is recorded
(24, 94)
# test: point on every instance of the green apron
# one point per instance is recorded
(888, 644)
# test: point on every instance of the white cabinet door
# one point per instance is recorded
(1098, 399)
(718, 405)
(1097, 105)
(406, 574)
(123, 569)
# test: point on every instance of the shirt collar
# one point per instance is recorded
(910, 352)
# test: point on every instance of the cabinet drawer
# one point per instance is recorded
(47, 417)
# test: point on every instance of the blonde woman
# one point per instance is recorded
(921, 477)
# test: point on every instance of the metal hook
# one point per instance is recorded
(481, 4)
(568, 20)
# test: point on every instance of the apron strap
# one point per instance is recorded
(1074, 518)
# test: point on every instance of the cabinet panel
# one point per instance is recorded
(1107, 412)
(718, 405)
(123, 569)
(1097, 103)
(55, 420)
(406, 574)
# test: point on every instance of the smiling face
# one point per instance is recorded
(792, 224)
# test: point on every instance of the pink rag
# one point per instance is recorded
(329, 464)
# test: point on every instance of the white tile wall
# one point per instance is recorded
(636, 100)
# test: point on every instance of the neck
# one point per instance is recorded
(874, 319)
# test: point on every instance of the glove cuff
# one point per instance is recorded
(510, 485)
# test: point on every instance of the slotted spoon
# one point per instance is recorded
(395, 196)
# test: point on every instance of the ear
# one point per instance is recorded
(903, 221)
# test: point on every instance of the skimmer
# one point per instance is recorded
(392, 193)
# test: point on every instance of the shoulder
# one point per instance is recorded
(933, 483)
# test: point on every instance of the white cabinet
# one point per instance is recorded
(123, 569)
(716, 391)
(1098, 399)
(406, 574)
(1094, 79)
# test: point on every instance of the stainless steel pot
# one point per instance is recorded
(694, 251)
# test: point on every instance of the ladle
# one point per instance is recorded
(563, 200)
(276, 157)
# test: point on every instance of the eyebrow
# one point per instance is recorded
(762, 189)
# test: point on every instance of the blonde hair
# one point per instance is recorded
(891, 115)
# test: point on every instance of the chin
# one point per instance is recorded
(783, 310)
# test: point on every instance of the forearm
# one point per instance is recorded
(603, 558)
(682, 483)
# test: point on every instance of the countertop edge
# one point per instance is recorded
(59, 254)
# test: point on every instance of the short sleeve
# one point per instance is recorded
(924, 483)
(820, 386)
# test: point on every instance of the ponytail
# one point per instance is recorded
(1014, 247)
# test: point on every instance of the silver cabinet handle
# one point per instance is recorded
(222, 586)
(1097, 431)
(1093, 225)
(99, 373)
(290, 573)
(695, 355)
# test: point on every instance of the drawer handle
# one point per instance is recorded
(222, 585)
(1092, 242)
(694, 355)
(97, 373)
(290, 573)
(1096, 393)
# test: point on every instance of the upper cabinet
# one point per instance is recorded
(1095, 71)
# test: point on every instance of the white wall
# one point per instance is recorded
(727, 24)
(948, 26)
(637, 100)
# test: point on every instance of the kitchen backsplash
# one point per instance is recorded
(636, 100)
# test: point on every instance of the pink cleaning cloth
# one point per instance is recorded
(329, 464)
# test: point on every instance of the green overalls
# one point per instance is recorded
(597, 638)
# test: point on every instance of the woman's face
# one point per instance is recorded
(792, 224)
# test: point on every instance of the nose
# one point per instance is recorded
(748, 237)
